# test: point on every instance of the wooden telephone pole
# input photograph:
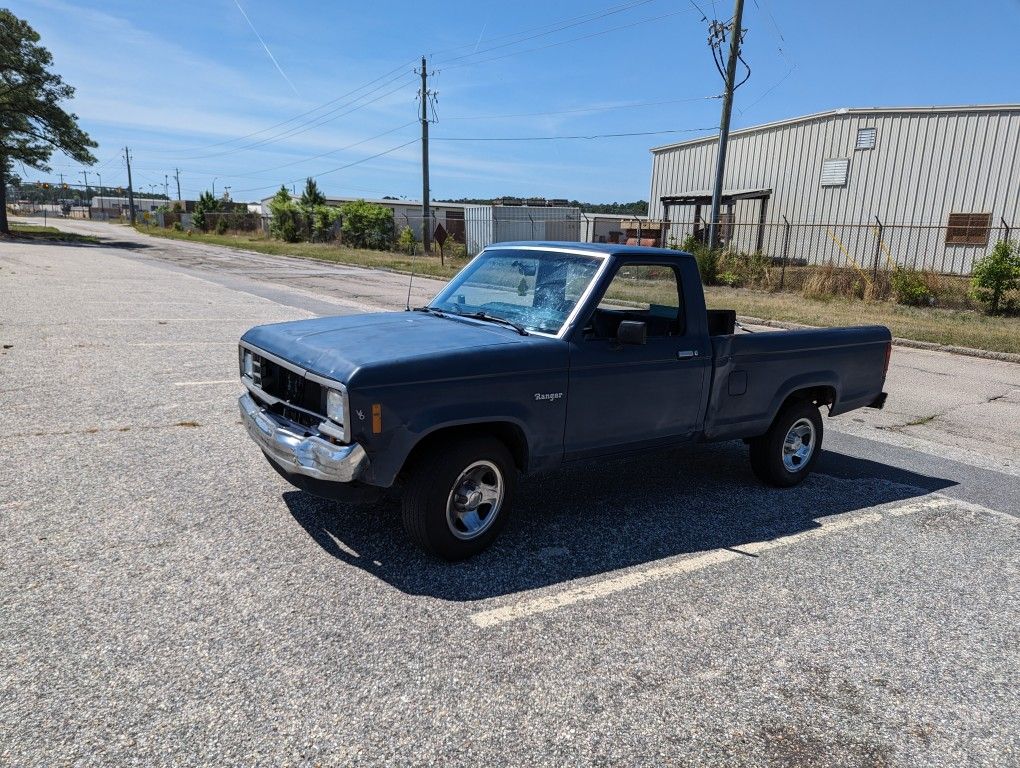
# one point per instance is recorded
(735, 33)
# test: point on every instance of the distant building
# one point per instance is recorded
(617, 228)
(488, 224)
(932, 187)
(114, 207)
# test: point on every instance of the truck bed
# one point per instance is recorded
(753, 373)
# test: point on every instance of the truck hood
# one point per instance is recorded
(339, 347)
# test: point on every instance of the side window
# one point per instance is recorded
(646, 292)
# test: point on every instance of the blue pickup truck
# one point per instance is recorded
(534, 355)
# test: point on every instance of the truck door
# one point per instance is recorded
(624, 393)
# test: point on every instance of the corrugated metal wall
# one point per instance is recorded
(925, 165)
(487, 224)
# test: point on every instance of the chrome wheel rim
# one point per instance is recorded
(475, 500)
(799, 445)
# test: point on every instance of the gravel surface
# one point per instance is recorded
(166, 599)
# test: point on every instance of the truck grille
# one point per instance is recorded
(291, 387)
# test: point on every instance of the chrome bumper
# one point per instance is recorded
(285, 443)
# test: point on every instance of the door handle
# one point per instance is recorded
(686, 354)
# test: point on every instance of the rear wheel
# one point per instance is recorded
(785, 454)
(457, 498)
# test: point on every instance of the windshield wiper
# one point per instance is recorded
(431, 310)
(476, 316)
(500, 320)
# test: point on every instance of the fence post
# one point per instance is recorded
(786, 251)
(1005, 227)
(878, 248)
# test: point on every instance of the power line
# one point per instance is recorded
(333, 151)
(604, 108)
(341, 97)
(580, 20)
(565, 42)
(579, 136)
(304, 128)
(334, 170)
(776, 30)
(551, 27)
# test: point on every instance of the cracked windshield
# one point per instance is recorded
(535, 289)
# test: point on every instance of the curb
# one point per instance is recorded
(1006, 357)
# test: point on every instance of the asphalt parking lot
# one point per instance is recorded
(166, 599)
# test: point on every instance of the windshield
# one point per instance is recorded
(533, 288)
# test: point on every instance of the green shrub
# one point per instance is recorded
(995, 275)
(406, 241)
(221, 226)
(730, 279)
(708, 264)
(324, 219)
(910, 288)
(367, 225)
(177, 227)
(286, 223)
(205, 203)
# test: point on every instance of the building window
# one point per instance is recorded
(866, 138)
(835, 172)
(968, 228)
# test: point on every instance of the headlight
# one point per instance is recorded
(336, 406)
(247, 366)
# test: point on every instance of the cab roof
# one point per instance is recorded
(601, 249)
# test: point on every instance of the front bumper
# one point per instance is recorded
(288, 445)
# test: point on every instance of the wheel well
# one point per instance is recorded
(820, 395)
(511, 435)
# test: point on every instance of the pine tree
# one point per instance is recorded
(311, 196)
(32, 123)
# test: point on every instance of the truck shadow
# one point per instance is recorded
(595, 518)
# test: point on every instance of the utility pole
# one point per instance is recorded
(88, 198)
(177, 175)
(724, 122)
(166, 186)
(426, 212)
(131, 191)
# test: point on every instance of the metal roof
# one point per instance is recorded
(732, 194)
(847, 111)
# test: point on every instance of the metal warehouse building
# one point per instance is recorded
(925, 187)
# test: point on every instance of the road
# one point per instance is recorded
(165, 599)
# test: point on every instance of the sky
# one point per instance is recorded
(249, 94)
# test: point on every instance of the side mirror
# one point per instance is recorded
(632, 332)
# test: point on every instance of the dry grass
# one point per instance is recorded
(30, 232)
(965, 328)
(338, 254)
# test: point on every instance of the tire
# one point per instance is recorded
(781, 465)
(483, 472)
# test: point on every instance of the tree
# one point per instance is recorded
(367, 225)
(995, 275)
(311, 196)
(286, 217)
(205, 204)
(32, 123)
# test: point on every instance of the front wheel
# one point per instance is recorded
(458, 497)
(785, 454)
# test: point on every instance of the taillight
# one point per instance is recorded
(888, 356)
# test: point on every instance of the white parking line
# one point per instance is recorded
(638, 578)
(200, 383)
